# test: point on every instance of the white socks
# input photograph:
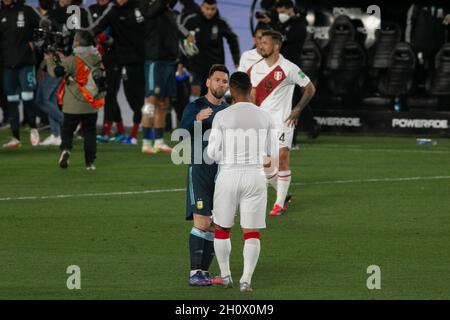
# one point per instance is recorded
(272, 177)
(284, 181)
(222, 249)
(252, 247)
(159, 142)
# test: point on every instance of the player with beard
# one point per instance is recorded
(201, 175)
(274, 79)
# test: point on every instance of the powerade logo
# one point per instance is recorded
(339, 121)
(420, 123)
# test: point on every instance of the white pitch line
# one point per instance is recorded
(343, 148)
(372, 180)
(82, 195)
(112, 194)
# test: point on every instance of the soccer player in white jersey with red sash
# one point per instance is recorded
(273, 80)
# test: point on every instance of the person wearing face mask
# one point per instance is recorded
(292, 25)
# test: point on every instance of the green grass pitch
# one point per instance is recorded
(359, 201)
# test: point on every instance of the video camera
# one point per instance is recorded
(49, 41)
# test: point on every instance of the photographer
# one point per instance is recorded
(19, 79)
(126, 25)
(77, 105)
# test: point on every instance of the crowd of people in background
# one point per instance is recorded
(161, 56)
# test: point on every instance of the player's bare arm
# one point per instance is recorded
(308, 94)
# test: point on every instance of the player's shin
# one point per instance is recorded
(284, 181)
(222, 248)
(208, 250)
(196, 243)
(252, 248)
(272, 176)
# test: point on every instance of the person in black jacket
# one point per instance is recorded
(121, 28)
(17, 24)
(63, 21)
(162, 36)
(189, 8)
(210, 30)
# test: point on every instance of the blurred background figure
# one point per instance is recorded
(18, 57)
(210, 30)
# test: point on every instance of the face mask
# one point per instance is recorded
(283, 17)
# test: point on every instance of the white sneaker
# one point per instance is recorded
(90, 167)
(147, 147)
(34, 137)
(160, 145)
(57, 141)
(12, 144)
(245, 287)
(4, 126)
(51, 141)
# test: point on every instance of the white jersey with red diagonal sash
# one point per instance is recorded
(248, 59)
(274, 86)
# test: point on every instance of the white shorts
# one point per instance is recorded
(285, 135)
(244, 189)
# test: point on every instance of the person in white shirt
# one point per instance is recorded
(250, 57)
(273, 80)
(243, 140)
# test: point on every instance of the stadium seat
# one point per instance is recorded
(437, 85)
(439, 80)
(396, 80)
(341, 32)
(311, 60)
(348, 78)
(386, 38)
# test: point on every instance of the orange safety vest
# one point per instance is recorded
(81, 79)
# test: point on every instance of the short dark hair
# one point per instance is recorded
(288, 4)
(210, 2)
(275, 35)
(84, 38)
(218, 68)
(261, 27)
(46, 4)
(240, 81)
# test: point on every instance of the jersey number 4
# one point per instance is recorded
(282, 137)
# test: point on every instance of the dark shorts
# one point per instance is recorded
(160, 79)
(16, 81)
(200, 190)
